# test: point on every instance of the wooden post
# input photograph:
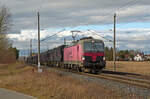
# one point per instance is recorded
(39, 65)
(114, 48)
(31, 47)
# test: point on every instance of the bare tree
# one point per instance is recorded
(4, 20)
(4, 26)
(5, 54)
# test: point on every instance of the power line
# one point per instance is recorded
(111, 12)
(128, 4)
(123, 6)
(42, 2)
(100, 35)
(52, 35)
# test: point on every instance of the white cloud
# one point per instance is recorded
(64, 33)
(135, 46)
(29, 34)
(67, 13)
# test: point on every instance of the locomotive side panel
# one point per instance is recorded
(73, 54)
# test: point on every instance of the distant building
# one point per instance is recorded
(147, 57)
(138, 57)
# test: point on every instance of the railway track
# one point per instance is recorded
(138, 82)
(126, 79)
(142, 83)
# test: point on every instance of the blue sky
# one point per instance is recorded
(108, 27)
(118, 25)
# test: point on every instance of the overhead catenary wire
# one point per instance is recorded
(116, 10)
(52, 35)
(42, 2)
(94, 32)
(128, 4)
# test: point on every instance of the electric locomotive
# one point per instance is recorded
(86, 55)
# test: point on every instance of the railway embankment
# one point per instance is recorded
(57, 84)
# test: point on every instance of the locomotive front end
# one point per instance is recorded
(93, 57)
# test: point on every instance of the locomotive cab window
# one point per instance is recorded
(93, 47)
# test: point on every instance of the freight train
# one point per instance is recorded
(84, 55)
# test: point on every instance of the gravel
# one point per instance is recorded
(122, 88)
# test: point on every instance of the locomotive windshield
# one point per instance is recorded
(93, 47)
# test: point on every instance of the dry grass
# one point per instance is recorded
(131, 67)
(52, 85)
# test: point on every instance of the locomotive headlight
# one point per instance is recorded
(83, 58)
(104, 59)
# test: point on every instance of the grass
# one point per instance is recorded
(130, 66)
(52, 85)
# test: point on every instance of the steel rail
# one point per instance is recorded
(131, 81)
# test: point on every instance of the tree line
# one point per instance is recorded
(7, 52)
(121, 55)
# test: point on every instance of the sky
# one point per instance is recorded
(133, 21)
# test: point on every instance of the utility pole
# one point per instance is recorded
(28, 51)
(114, 48)
(31, 47)
(39, 65)
(73, 36)
(64, 41)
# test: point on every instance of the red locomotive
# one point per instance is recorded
(86, 54)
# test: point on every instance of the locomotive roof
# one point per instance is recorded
(89, 38)
(83, 40)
